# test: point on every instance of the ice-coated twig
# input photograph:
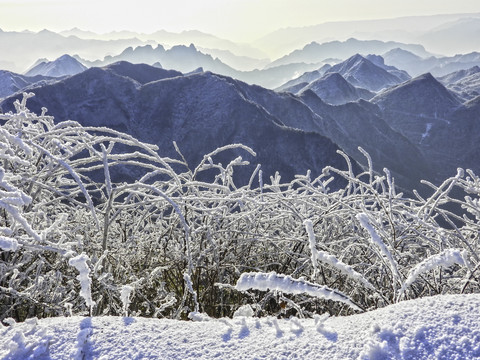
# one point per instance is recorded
(445, 258)
(287, 284)
(378, 242)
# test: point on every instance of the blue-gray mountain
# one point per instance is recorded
(366, 74)
(403, 128)
(200, 112)
(11, 82)
(63, 66)
(333, 89)
(188, 58)
(437, 66)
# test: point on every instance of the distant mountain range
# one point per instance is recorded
(318, 52)
(415, 112)
(170, 39)
(438, 66)
(464, 83)
(353, 79)
(200, 112)
(290, 133)
(22, 49)
(187, 59)
(447, 34)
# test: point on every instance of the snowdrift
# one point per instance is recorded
(439, 327)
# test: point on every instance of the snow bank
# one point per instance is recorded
(440, 327)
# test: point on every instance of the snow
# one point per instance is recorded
(8, 243)
(439, 327)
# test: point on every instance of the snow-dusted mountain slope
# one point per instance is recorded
(221, 110)
(11, 82)
(404, 128)
(439, 327)
(200, 112)
(361, 72)
(305, 78)
(464, 83)
(435, 119)
(65, 65)
(334, 89)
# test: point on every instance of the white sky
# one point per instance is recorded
(240, 20)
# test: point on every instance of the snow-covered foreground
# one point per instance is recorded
(440, 327)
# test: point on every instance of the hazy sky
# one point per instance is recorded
(240, 20)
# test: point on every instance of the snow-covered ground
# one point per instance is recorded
(440, 327)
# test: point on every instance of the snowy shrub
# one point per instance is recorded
(183, 243)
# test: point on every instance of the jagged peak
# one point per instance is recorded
(66, 57)
(421, 87)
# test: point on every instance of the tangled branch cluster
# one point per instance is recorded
(167, 244)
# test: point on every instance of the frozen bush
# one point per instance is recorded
(182, 243)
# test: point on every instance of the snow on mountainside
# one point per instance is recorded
(349, 126)
(305, 78)
(11, 82)
(414, 104)
(439, 327)
(363, 73)
(402, 128)
(334, 89)
(430, 116)
(222, 110)
(63, 66)
(464, 83)
(369, 73)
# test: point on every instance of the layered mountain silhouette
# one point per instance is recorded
(21, 49)
(188, 58)
(428, 30)
(315, 52)
(437, 66)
